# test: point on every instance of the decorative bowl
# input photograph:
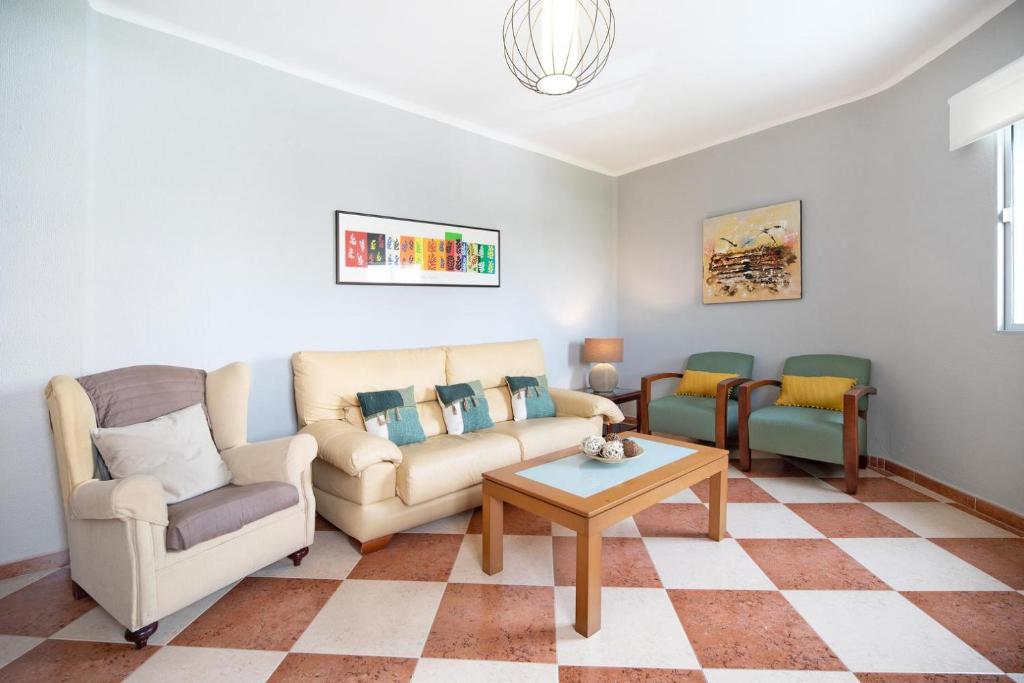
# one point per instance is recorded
(614, 461)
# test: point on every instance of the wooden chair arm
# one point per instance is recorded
(721, 403)
(851, 401)
(645, 397)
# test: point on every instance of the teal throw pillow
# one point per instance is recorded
(530, 397)
(392, 415)
(464, 407)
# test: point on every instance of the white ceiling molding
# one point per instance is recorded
(684, 75)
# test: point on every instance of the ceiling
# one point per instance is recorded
(683, 74)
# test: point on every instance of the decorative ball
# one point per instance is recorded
(592, 445)
(613, 437)
(630, 448)
(612, 450)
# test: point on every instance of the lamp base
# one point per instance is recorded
(604, 378)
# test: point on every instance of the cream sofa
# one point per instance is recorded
(370, 488)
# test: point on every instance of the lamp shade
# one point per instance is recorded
(602, 350)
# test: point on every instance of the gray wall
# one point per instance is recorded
(899, 258)
(200, 231)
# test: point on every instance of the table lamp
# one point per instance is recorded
(604, 351)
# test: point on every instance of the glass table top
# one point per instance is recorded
(579, 475)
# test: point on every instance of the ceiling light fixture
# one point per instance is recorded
(557, 46)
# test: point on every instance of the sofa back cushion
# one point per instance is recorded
(326, 382)
(491, 363)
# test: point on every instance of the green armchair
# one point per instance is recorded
(697, 417)
(812, 433)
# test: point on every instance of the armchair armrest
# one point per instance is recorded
(582, 404)
(721, 408)
(140, 497)
(851, 402)
(746, 390)
(281, 460)
(645, 398)
(350, 448)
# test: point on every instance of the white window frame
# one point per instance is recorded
(1010, 227)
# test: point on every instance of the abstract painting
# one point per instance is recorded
(384, 250)
(753, 255)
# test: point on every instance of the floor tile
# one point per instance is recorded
(917, 564)
(848, 520)
(330, 557)
(774, 468)
(879, 631)
(684, 496)
(739, 491)
(703, 563)
(639, 628)
(453, 524)
(259, 614)
(377, 618)
(673, 519)
(991, 623)
(767, 520)
(200, 664)
(624, 563)
(68, 661)
(932, 678)
(803, 490)
(809, 564)
(614, 674)
(735, 473)
(517, 521)
(466, 671)
(98, 625)
(12, 647)
(721, 626)
(1002, 558)
(42, 607)
(939, 520)
(507, 623)
(828, 470)
(306, 668)
(527, 561)
(767, 676)
(934, 495)
(624, 529)
(882, 490)
(1015, 532)
(411, 557)
(14, 583)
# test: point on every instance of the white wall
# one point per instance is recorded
(213, 184)
(898, 266)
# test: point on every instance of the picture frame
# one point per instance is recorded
(374, 249)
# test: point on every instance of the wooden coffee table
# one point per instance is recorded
(588, 497)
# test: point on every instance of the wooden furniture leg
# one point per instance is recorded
(370, 546)
(493, 530)
(141, 637)
(719, 496)
(588, 583)
(77, 593)
(297, 556)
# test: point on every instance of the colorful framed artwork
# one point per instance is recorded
(385, 250)
(753, 255)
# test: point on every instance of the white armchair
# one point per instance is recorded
(117, 529)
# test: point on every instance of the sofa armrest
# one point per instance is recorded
(582, 404)
(281, 460)
(140, 497)
(350, 448)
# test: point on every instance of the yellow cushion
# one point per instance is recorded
(700, 383)
(814, 392)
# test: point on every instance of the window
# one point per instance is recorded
(1011, 229)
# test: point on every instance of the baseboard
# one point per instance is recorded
(34, 564)
(979, 507)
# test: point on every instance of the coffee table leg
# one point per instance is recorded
(588, 584)
(719, 495)
(493, 529)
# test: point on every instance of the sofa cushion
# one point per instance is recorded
(544, 435)
(447, 463)
(491, 363)
(391, 414)
(465, 407)
(530, 397)
(692, 416)
(804, 432)
(141, 393)
(224, 510)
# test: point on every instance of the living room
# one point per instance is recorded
(695, 354)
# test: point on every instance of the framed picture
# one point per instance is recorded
(385, 250)
(753, 255)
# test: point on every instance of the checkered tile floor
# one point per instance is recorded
(895, 584)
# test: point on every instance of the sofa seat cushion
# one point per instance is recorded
(447, 463)
(802, 432)
(692, 416)
(224, 510)
(544, 435)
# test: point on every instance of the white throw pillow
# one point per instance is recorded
(176, 448)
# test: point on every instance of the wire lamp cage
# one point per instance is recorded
(555, 47)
